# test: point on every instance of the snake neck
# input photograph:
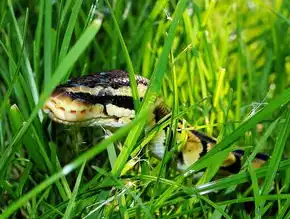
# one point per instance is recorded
(160, 110)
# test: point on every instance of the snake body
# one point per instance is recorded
(105, 99)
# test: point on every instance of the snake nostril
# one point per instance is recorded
(73, 111)
(83, 111)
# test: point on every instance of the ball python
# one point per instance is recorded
(105, 99)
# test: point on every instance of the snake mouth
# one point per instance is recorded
(66, 122)
(62, 108)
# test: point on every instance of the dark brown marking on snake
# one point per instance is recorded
(260, 156)
(234, 167)
(120, 101)
(180, 157)
(203, 137)
(204, 147)
(160, 111)
(114, 79)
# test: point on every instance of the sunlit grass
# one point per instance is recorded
(224, 66)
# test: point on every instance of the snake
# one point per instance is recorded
(105, 99)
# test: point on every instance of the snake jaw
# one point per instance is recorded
(61, 108)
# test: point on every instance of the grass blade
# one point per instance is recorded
(276, 155)
(69, 30)
(71, 204)
(152, 91)
(133, 83)
(28, 72)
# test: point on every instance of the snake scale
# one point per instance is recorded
(105, 99)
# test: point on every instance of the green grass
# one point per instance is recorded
(224, 66)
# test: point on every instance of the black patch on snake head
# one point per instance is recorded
(120, 101)
(114, 79)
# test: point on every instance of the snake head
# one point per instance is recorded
(103, 98)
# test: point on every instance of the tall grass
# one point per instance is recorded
(224, 66)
